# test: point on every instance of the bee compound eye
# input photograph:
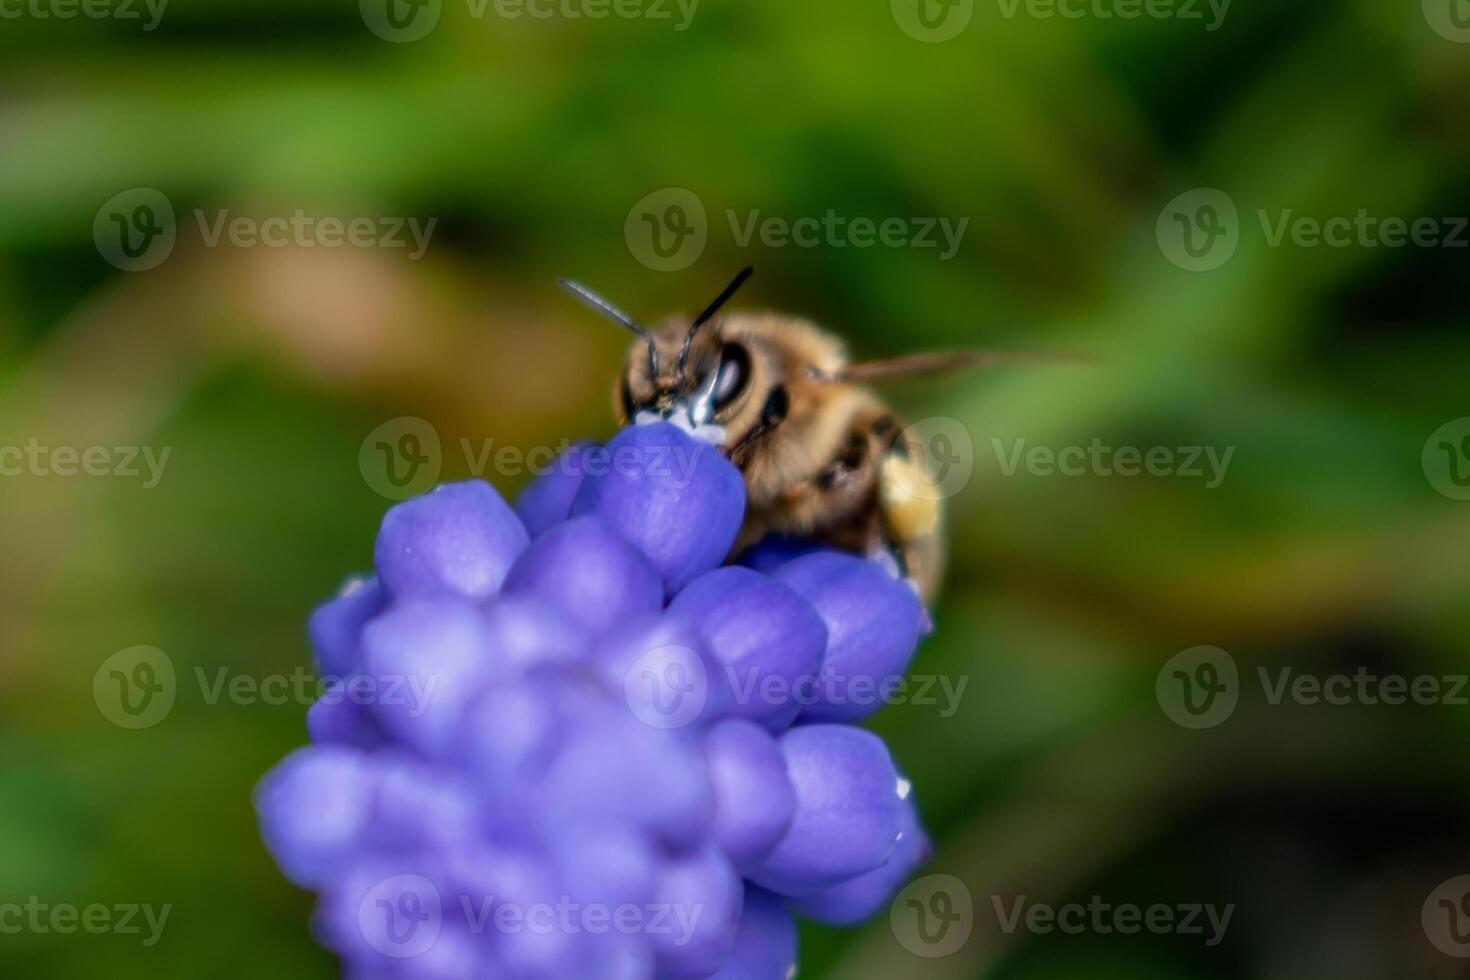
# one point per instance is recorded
(778, 404)
(734, 375)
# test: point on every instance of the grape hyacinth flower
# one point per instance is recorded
(567, 740)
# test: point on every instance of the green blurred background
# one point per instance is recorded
(1328, 547)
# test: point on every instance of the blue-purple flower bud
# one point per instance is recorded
(547, 500)
(590, 573)
(769, 640)
(676, 499)
(873, 625)
(847, 810)
(765, 943)
(460, 540)
(859, 899)
(754, 799)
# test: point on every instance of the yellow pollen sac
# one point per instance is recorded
(910, 503)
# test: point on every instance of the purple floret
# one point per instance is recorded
(547, 501)
(847, 810)
(571, 708)
(460, 539)
(675, 498)
(765, 943)
(873, 625)
(769, 640)
(336, 626)
(589, 572)
(858, 899)
(755, 798)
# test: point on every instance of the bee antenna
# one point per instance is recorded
(711, 310)
(597, 304)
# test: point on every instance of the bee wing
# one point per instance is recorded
(942, 362)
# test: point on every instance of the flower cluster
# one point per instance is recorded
(612, 774)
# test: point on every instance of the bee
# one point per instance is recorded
(823, 457)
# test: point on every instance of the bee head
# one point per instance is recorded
(684, 371)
